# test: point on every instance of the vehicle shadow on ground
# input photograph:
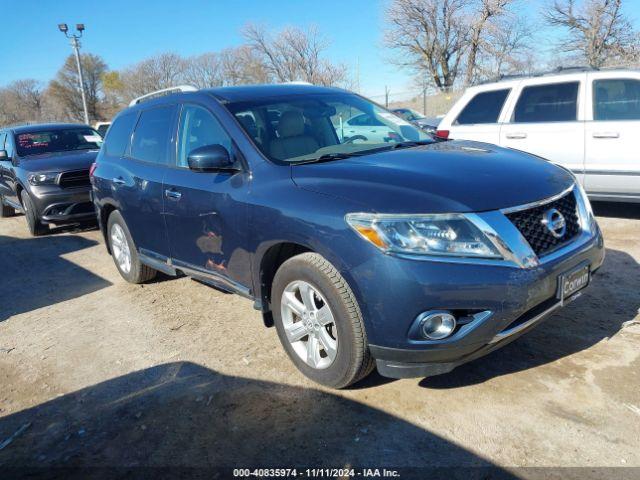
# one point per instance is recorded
(616, 209)
(34, 274)
(187, 416)
(612, 300)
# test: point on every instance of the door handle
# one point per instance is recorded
(606, 135)
(516, 136)
(173, 194)
(118, 181)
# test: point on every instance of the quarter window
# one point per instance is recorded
(485, 107)
(557, 102)
(152, 134)
(198, 128)
(616, 99)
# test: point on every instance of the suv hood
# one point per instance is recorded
(59, 161)
(444, 177)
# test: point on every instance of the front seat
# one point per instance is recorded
(292, 141)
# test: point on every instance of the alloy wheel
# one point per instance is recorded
(120, 247)
(309, 324)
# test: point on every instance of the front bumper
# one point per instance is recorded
(517, 300)
(56, 205)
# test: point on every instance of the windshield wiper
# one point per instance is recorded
(410, 144)
(330, 157)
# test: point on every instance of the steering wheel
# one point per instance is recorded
(355, 137)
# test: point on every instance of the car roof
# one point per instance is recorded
(40, 127)
(243, 93)
(553, 75)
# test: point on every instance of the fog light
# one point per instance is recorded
(436, 325)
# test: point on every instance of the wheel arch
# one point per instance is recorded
(269, 264)
(105, 210)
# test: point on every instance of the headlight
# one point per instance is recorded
(42, 178)
(439, 234)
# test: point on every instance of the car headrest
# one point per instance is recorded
(291, 124)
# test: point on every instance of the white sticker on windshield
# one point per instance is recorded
(92, 138)
(393, 118)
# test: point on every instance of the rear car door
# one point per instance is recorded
(206, 212)
(548, 120)
(479, 118)
(140, 179)
(612, 145)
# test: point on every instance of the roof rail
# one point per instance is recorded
(555, 71)
(164, 91)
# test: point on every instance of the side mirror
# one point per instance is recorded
(3, 156)
(210, 158)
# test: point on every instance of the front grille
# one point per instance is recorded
(529, 222)
(77, 178)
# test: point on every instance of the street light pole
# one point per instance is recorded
(75, 44)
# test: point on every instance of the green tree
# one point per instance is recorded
(65, 88)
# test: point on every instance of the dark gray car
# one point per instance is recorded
(44, 172)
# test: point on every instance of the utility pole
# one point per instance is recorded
(424, 101)
(75, 44)
(386, 96)
(424, 97)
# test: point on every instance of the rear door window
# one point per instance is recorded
(119, 135)
(556, 102)
(152, 134)
(616, 99)
(484, 107)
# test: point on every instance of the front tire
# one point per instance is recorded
(36, 227)
(124, 252)
(319, 321)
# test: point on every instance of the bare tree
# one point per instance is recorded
(295, 54)
(597, 31)
(479, 25)
(506, 49)
(162, 71)
(429, 36)
(440, 39)
(21, 101)
(204, 71)
(243, 65)
(65, 89)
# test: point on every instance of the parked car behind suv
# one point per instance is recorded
(584, 120)
(412, 255)
(429, 125)
(44, 172)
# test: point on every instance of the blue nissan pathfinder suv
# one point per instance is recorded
(395, 252)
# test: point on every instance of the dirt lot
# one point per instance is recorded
(97, 372)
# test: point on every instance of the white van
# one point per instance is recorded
(585, 120)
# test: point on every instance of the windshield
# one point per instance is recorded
(57, 140)
(304, 127)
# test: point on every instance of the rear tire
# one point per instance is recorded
(36, 227)
(124, 252)
(343, 356)
(6, 210)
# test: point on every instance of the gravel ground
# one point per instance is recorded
(97, 372)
